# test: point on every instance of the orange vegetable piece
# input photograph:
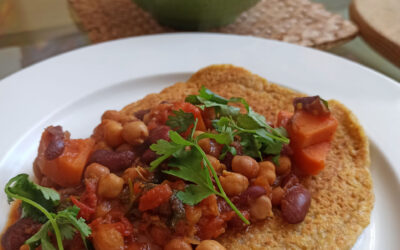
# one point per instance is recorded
(66, 170)
(155, 197)
(311, 160)
(307, 129)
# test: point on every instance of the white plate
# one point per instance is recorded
(75, 88)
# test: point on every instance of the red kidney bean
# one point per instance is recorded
(115, 161)
(56, 145)
(250, 194)
(289, 181)
(18, 233)
(158, 133)
(140, 114)
(295, 204)
(149, 156)
(311, 104)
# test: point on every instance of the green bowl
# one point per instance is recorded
(195, 14)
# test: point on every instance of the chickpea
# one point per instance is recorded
(285, 165)
(135, 132)
(101, 145)
(277, 194)
(233, 183)
(124, 147)
(110, 186)
(135, 173)
(267, 169)
(177, 244)
(111, 115)
(261, 208)
(96, 171)
(210, 147)
(112, 133)
(107, 237)
(245, 165)
(216, 164)
(210, 245)
(205, 144)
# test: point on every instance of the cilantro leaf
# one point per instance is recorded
(188, 167)
(39, 203)
(186, 164)
(20, 185)
(165, 149)
(68, 225)
(41, 238)
(225, 137)
(181, 121)
(193, 194)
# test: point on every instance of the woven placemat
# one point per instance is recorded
(296, 21)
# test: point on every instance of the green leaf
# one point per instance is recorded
(165, 149)
(189, 168)
(68, 224)
(41, 235)
(211, 96)
(193, 194)
(178, 139)
(181, 121)
(21, 186)
(226, 137)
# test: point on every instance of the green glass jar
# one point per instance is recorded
(195, 14)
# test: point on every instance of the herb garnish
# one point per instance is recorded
(181, 121)
(186, 164)
(257, 137)
(39, 203)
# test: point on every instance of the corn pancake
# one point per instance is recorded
(342, 196)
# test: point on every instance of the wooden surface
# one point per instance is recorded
(379, 24)
(296, 21)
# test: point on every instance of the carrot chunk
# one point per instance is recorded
(311, 160)
(66, 170)
(155, 197)
(307, 129)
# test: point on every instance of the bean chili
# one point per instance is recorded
(127, 206)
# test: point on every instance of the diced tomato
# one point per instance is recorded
(84, 210)
(66, 170)
(211, 227)
(88, 200)
(190, 108)
(307, 129)
(155, 197)
(283, 118)
(311, 160)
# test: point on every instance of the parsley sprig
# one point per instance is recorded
(257, 137)
(186, 164)
(39, 203)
